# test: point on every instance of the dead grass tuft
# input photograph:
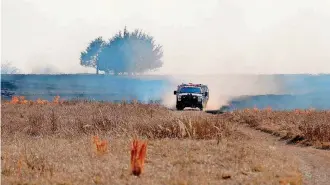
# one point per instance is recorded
(35, 122)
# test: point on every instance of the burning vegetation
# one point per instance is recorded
(22, 100)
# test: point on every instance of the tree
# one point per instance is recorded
(89, 57)
(125, 52)
(6, 68)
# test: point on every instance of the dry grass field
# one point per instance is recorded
(302, 127)
(53, 144)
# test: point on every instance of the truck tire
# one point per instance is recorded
(178, 107)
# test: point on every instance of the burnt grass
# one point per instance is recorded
(51, 144)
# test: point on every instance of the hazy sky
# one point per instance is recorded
(199, 37)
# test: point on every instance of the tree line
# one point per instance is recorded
(125, 53)
(7, 68)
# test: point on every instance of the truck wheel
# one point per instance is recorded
(201, 108)
(179, 107)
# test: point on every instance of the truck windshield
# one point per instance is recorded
(190, 90)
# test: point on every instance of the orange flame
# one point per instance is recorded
(18, 100)
(101, 146)
(14, 100)
(56, 100)
(138, 155)
(42, 102)
(22, 100)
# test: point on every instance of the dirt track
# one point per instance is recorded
(314, 164)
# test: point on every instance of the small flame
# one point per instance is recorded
(42, 102)
(22, 100)
(138, 154)
(18, 100)
(14, 100)
(101, 146)
(56, 100)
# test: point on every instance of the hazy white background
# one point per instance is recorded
(199, 37)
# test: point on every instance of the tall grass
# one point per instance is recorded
(70, 119)
(307, 127)
(50, 143)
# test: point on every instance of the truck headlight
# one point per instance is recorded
(179, 98)
(199, 98)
